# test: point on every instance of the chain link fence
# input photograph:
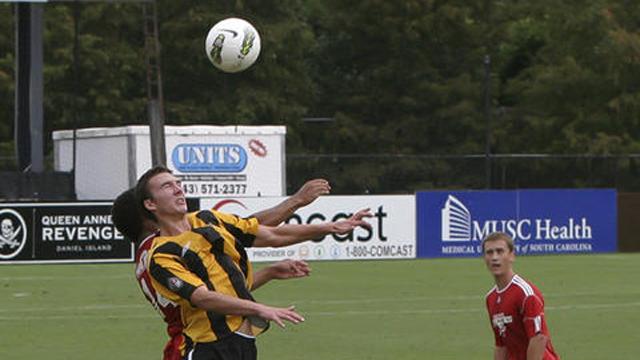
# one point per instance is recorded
(405, 174)
(402, 174)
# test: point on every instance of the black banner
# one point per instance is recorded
(64, 232)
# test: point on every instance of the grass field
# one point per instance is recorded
(418, 309)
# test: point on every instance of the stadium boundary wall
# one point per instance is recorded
(403, 226)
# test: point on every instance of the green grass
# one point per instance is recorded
(418, 309)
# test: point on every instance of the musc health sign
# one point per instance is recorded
(453, 223)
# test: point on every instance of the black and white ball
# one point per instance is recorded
(232, 45)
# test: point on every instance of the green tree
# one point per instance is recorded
(576, 91)
(402, 81)
(399, 78)
(7, 61)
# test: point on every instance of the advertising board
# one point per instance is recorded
(453, 223)
(60, 232)
(392, 233)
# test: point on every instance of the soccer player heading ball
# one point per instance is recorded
(199, 262)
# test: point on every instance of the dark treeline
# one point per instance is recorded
(400, 81)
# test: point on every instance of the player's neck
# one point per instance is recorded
(173, 227)
(503, 280)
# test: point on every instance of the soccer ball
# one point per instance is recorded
(232, 45)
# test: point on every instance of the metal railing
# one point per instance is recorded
(401, 173)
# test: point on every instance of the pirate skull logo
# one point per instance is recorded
(9, 234)
(7, 228)
(12, 233)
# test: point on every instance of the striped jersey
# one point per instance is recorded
(517, 314)
(211, 254)
(169, 311)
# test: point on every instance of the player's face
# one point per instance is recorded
(498, 258)
(167, 197)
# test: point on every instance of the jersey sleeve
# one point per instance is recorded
(243, 229)
(533, 315)
(169, 277)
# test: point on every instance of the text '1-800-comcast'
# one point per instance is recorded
(379, 251)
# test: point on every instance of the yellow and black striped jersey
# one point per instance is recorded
(211, 254)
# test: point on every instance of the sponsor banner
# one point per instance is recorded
(229, 164)
(60, 232)
(392, 233)
(453, 223)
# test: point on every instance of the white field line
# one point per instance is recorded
(64, 278)
(602, 307)
(314, 302)
(612, 306)
(446, 298)
(80, 317)
(99, 307)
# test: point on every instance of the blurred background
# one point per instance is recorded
(378, 96)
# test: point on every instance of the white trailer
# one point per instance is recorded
(211, 160)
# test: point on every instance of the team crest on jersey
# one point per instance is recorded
(175, 284)
(500, 321)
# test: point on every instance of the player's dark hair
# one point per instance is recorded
(142, 189)
(495, 236)
(125, 215)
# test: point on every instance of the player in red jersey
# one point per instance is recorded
(169, 311)
(129, 222)
(515, 306)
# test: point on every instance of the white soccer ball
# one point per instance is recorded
(232, 45)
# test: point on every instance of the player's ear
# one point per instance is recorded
(149, 204)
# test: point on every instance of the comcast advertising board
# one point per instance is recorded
(453, 223)
(392, 233)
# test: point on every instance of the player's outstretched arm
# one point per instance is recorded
(537, 345)
(307, 194)
(290, 234)
(206, 299)
(500, 353)
(285, 269)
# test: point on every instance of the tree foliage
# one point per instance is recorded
(400, 81)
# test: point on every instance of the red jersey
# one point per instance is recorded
(517, 314)
(169, 311)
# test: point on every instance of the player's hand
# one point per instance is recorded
(356, 220)
(310, 191)
(361, 214)
(288, 269)
(280, 315)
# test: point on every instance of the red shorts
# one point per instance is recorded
(173, 349)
